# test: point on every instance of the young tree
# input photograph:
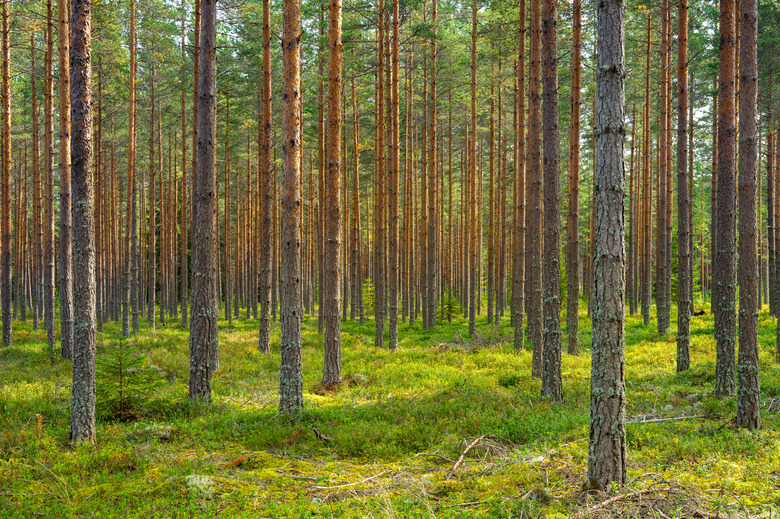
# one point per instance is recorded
(331, 373)
(82, 416)
(607, 442)
(203, 318)
(749, 389)
(552, 387)
(724, 275)
(291, 375)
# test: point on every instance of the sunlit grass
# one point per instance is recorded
(382, 444)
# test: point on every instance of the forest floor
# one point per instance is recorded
(387, 441)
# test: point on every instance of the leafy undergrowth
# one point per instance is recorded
(388, 441)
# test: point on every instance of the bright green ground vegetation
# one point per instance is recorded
(383, 444)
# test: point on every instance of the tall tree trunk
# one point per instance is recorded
(433, 279)
(472, 211)
(184, 265)
(518, 251)
(151, 262)
(331, 373)
(573, 223)
(392, 187)
(724, 275)
(379, 228)
(203, 319)
(534, 265)
(6, 181)
(66, 246)
(662, 277)
(683, 196)
(647, 248)
(552, 387)
(291, 375)
(36, 278)
(607, 445)
(82, 422)
(227, 232)
(749, 389)
(49, 172)
(267, 190)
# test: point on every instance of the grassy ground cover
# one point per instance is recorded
(385, 443)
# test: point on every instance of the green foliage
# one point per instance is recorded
(125, 384)
(509, 380)
(368, 297)
(448, 307)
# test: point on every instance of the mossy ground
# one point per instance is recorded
(383, 443)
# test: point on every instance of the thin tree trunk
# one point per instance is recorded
(573, 223)
(267, 182)
(66, 246)
(472, 209)
(49, 172)
(518, 255)
(6, 180)
(379, 229)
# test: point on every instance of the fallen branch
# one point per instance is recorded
(670, 419)
(463, 455)
(320, 436)
(609, 501)
(348, 484)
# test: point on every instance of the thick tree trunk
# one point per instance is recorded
(607, 445)
(472, 212)
(724, 275)
(203, 318)
(552, 387)
(683, 196)
(331, 373)
(749, 389)
(82, 424)
(380, 210)
(291, 375)
(392, 188)
(662, 276)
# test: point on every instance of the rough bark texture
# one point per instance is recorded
(433, 218)
(723, 270)
(184, 265)
(472, 211)
(203, 317)
(267, 181)
(392, 190)
(683, 196)
(6, 183)
(647, 241)
(291, 374)
(380, 210)
(607, 445)
(82, 420)
(331, 373)
(534, 220)
(662, 275)
(48, 111)
(749, 388)
(552, 386)
(573, 222)
(518, 252)
(152, 258)
(66, 246)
